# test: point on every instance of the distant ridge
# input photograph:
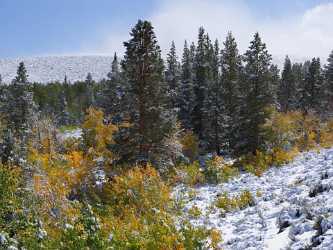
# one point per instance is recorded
(54, 68)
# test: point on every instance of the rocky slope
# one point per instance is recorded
(293, 206)
(54, 68)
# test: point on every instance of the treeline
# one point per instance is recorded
(212, 90)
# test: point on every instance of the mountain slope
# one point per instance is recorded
(54, 68)
(293, 211)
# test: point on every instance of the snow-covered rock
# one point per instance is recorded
(293, 206)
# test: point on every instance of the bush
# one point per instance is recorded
(190, 174)
(326, 134)
(217, 170)
(256, 163)
(194, 212)
(240, 201)
(190, 145)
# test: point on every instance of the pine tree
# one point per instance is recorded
(63, 118)
(146, 94)
(312, 87)
(112, 93)
(256, 94)
(22, 76)
(90, 95)
(200, 84)
(172, 76)
(186, 94)
(20, 102)
(298, 75)
(329, 84)
(275, 81)
(19, 113)
(287, 89)
(231, 66)
(212, 104)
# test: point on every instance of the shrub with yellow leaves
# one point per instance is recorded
(190, 145)
(218, 170)
(241, 201)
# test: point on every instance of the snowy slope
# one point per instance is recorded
(54, 68)
(294, 210)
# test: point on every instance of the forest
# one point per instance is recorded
(151, 125)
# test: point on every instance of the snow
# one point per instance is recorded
(75, 134)
(54, 68)
(286, 213)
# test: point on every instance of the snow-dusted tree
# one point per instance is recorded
(256, 95)
(20, 102)
(19, 113)
(63, 118)
(311, 96)
(150, 122)
(172, 77)
(329, 84)
(110, 97)
(212, 104)
(90, 95)
(231, 66)
(200, 84)
(287, 88)
(186, 94)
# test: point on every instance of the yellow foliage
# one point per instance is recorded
(326, 134)
(218, 170)
(240, 201)
(194, 212)
(191, 174)
(216, 239)
(190, 145)
(98, 135)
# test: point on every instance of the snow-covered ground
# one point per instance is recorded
(55, 68)
(294, 206)
(75, 134)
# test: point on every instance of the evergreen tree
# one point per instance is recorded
(146, 94)
(297, 70)
(90, 95)
(63, 118)
(287, 89)
(172, 76)
(20, 102)
(200, 86)
(329, 84)
(212, 108)
(256, 94)
(186, 94)
(112, 93)
(275, 81)
(231, 66)
(19, 113)
(22, 76)
(312, 87)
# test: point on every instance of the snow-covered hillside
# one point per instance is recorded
(54, 68)
(294, 206)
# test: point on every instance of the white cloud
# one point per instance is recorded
(301, 35)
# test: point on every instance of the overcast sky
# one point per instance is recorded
(299, 28)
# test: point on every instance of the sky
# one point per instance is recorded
(300, 28)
